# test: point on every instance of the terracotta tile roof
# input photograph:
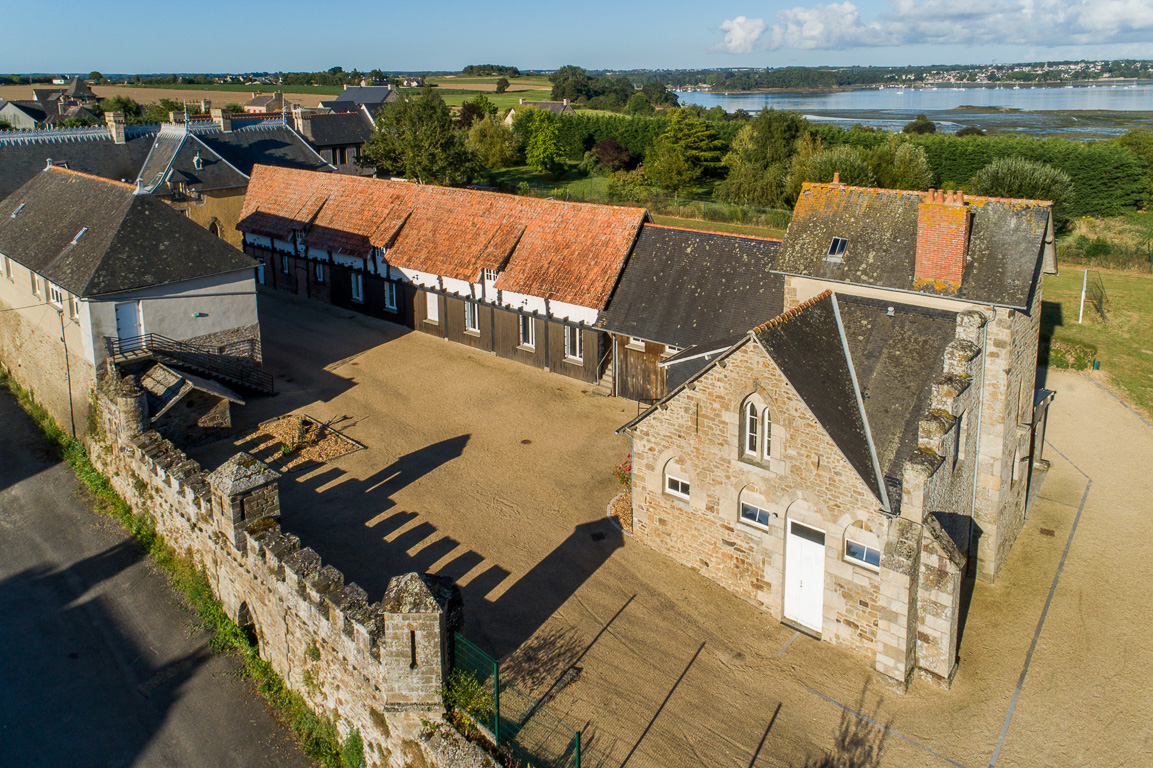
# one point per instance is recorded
(568, 252)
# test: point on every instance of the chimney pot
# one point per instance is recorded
(960, 197)
(931, 195)
(836, 177)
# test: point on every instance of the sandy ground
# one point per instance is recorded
(499, 475)
(148, 95)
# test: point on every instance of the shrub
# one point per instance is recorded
(462, 691)
(1028, 179)
(624, 471)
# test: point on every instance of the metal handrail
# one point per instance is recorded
(214, 359)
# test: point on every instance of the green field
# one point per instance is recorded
(503, 101)
(517, 83)
(321, 90)
(1124, 342)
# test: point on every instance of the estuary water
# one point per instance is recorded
(1090, 110)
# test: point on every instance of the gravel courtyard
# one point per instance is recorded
(499, 475)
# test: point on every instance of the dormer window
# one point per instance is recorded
(197, 162)
(837, 249)
(489, 275)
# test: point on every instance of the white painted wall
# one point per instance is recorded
(226, 302)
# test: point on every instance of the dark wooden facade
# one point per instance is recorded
(638, 375)
(498, 330)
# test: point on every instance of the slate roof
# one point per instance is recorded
(683, 287)
(897, 359)
(551, 106)
(266, 143)
(363, 94)
(34, 110)
(261, 100)
(1005, 243)
(568, 252)
(174, 158)
(337, 128)
(808, 347)
(164, 387)
(92, 151)
(132, 241)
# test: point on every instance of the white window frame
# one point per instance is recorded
(571, 332)
(837, 249)
(752, 418)
(488, 275)
(861, 561)
(527, 330)
(55, 295)
(767, 425)
(758, 511)
(471, 316)
(74, 307)
(675, 486)
(7, 267)
(284, 264)
(35, 284)
(319, 272)
(432, 307)
(635, 343)
(357, 287)
(390, 296)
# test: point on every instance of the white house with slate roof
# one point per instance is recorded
(84, 260)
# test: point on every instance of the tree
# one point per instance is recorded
(492, 142)
(570, 82)
(813, 162)
(900, 165)
(6, 126)
(1021, 178)
(687, 149)
(639, 105)
(95, 76)
(759, 156)
(611, 155)
(921, 124)
(415, 138)
(501, 84)
(658, 95)
(970, 130)
(543, 151)
(476, 109)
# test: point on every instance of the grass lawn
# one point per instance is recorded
(1124, 343)
(716, 226)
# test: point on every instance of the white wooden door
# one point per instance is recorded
(805, 575)
(129, 325)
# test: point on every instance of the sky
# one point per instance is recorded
(131, 36)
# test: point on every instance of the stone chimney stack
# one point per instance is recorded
(116, 126)
(943, 224)
(222, 119)
(566, 102)
(205, 106)
(176, 117)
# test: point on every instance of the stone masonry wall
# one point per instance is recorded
(1010, 381)
(377, 668)
(809, 481)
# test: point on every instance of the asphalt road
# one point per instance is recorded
(99, 663)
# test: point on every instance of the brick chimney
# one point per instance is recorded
(942, 237)
(222, 119)
(836, 177)
(116, 126)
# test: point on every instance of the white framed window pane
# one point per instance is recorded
(432, 307)
(677, 486)
(320, 273)
(471, 322)
(390, 296)
(527, 331)
(751, 439)
(755, 515)
(862, 554)
(357, 287)
(768, 434)
(573, 343)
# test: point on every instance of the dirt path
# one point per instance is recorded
(675, 670)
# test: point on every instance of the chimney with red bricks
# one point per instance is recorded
(942, 237)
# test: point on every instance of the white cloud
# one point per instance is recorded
(1047, 23)
(741, 35)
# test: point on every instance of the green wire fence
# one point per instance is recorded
(526, 728)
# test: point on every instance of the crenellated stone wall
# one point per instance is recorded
(376, 667)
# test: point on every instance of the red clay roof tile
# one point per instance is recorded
(567, 252)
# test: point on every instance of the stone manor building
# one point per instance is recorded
(850, 462)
